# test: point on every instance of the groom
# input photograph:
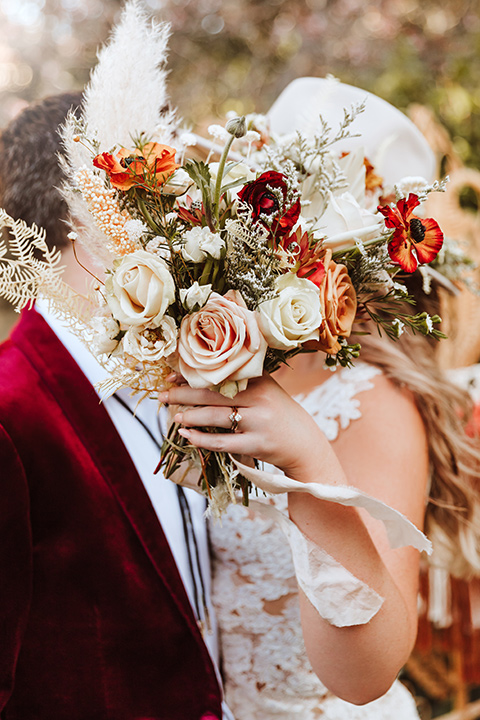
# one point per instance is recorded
(104, 568)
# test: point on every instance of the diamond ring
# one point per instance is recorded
(234, 418)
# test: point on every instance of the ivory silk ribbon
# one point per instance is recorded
(339, 597)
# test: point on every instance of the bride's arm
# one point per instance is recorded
(384, 453)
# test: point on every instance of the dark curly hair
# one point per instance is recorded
(30, 173)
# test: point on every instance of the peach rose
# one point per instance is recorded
(221, 344)
(339, 305)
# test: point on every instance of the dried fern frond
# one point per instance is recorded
(30, 269)
(22, 274)
(147, 381)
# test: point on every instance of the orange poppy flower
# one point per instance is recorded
(147, 168)
(415, 240)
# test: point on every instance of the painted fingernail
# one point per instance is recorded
(184, 432)
(172, 377)
(178, 417)
(163, 396)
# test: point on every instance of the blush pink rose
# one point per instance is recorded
(221, 344)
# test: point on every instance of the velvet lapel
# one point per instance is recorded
(80, 403)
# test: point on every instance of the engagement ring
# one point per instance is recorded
(234, 418)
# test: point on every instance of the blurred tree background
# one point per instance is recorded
(239, 54)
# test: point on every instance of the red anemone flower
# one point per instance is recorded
(415, 240)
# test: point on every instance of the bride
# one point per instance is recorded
(391, 427)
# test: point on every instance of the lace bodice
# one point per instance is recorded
(267, 673)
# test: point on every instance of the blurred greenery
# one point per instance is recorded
(239, 54)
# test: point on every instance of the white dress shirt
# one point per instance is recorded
(162, 492)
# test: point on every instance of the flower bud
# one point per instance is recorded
(195, 297)
(237, 127)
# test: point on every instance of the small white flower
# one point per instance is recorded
(200, 242)
(195, 297)
(398, 326)
(218, 132)
(104, 331)
(407, 185)
(361, 247)
(426, 279)
(258, 122)
(252, 136)
(72, 236)
(188, 139)
(400, 288)
(158, 246)
(135, 229)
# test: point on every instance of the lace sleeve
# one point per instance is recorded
(339, 597)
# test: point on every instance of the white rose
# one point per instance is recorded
(151, 345)
(178, 183)
(200, 241)
(344, 220)
(293, 316)
(195, 297)
(353, 167)
(104, 332)
(140, 290)
(239, 173)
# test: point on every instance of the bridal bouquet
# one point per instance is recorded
(224, 268)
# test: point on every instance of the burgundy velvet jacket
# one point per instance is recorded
(95, 623)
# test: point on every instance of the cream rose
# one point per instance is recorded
(344, 220)
(221, 343)
(140, 290)
(200, 242)
(238, 173)
(339, 305)
(151, 345)
(293, 316)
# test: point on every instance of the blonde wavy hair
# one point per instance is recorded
(452, 519)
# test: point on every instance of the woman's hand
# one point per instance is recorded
(273, 428)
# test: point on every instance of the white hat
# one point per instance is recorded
(390, 140)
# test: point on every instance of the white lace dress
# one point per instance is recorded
(267, 673)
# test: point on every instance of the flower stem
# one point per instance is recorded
(220, 171)
(206, 272)
(143, 209)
